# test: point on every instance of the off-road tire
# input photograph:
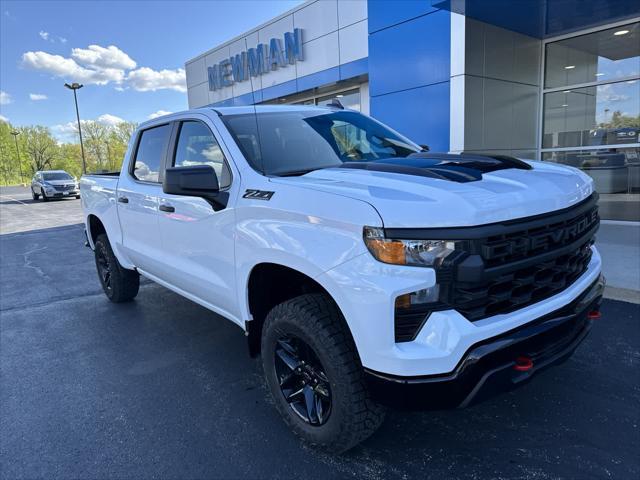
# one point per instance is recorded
(316, 320)
(123, 284)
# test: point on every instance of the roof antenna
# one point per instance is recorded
(255, 113)
(335, 103)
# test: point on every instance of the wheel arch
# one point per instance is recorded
(269, 284)
(94, 228)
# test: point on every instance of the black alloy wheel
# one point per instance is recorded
(104, 268)
(303, 381)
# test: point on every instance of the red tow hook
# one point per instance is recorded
(523, 364)
(594, 315)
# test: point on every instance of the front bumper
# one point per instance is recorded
(488, 367)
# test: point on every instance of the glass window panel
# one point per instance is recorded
(595, 57)
(600, 115)
(198, 146)
(150, 150)
(349, 99)
(616, 177)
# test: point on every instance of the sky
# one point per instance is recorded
(129, 55)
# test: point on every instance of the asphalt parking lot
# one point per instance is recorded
(162, 388)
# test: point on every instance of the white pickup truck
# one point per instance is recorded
(363, 269)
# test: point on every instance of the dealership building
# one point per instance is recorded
(557, 80)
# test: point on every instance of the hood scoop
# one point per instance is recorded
(461, 168)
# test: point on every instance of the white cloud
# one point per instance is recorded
(157, 114)
(4, 119)
(44, 35)
(102, 58)
(68, 69)
(62, 39)
(145, 79)
(103, 65)
(5, 98)
(110, 120)
(69, 131)
(37, 96)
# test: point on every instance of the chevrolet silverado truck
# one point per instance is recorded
(364, 270)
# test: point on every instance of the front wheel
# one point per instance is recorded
(44, 196)
(34, 195)
(119, 284)
(315, 376)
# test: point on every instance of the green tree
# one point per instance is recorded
(41, 147)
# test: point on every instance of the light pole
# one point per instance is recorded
(77, 86)
(15, 134)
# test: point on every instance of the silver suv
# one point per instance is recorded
(54, 184)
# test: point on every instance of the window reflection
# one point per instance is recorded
(599, 115)
(602, 56)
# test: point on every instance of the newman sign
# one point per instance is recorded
(257, 61)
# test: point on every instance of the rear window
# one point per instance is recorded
(151, 149)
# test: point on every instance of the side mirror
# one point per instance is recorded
(425, 148)
(196, 181)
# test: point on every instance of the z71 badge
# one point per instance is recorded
(258, 194)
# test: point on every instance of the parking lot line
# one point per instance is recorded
(13, 199)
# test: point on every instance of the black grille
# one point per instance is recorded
(522, 262)
(507, 266)
(521, 287)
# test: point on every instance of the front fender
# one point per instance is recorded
(323, 237)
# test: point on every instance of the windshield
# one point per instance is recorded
(56, 176)
(297, 142)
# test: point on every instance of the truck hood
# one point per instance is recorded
(409, 201)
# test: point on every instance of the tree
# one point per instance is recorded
(40, 146)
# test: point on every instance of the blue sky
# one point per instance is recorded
(130, 55)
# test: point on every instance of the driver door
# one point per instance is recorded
(199, 242)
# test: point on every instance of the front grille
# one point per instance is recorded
(507, 266)
(521, 287)
(522, 262)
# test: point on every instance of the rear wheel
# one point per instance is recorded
(315, 376)
(119, 284)
(34, 195)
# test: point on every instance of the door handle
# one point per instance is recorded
(123, 199)
(166, 208)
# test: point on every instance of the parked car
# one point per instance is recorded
(364, 270)
(54, 184)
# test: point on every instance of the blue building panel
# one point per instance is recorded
(422, 114)
(280, 90)
(354, 69)
(317, 79)
(409, 55)
(385, 14)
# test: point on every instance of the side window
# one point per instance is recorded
(149, 154)
(197, 146)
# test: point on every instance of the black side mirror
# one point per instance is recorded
(425, 148)
(196, 181)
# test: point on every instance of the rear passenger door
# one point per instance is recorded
(139, 190)
(198, 242)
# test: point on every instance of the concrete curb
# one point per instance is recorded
(622, 294)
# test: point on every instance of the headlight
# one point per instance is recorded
(419, 253)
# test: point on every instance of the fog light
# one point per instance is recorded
(412, 311)
(417, 298)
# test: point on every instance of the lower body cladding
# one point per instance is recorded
(498, 364)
